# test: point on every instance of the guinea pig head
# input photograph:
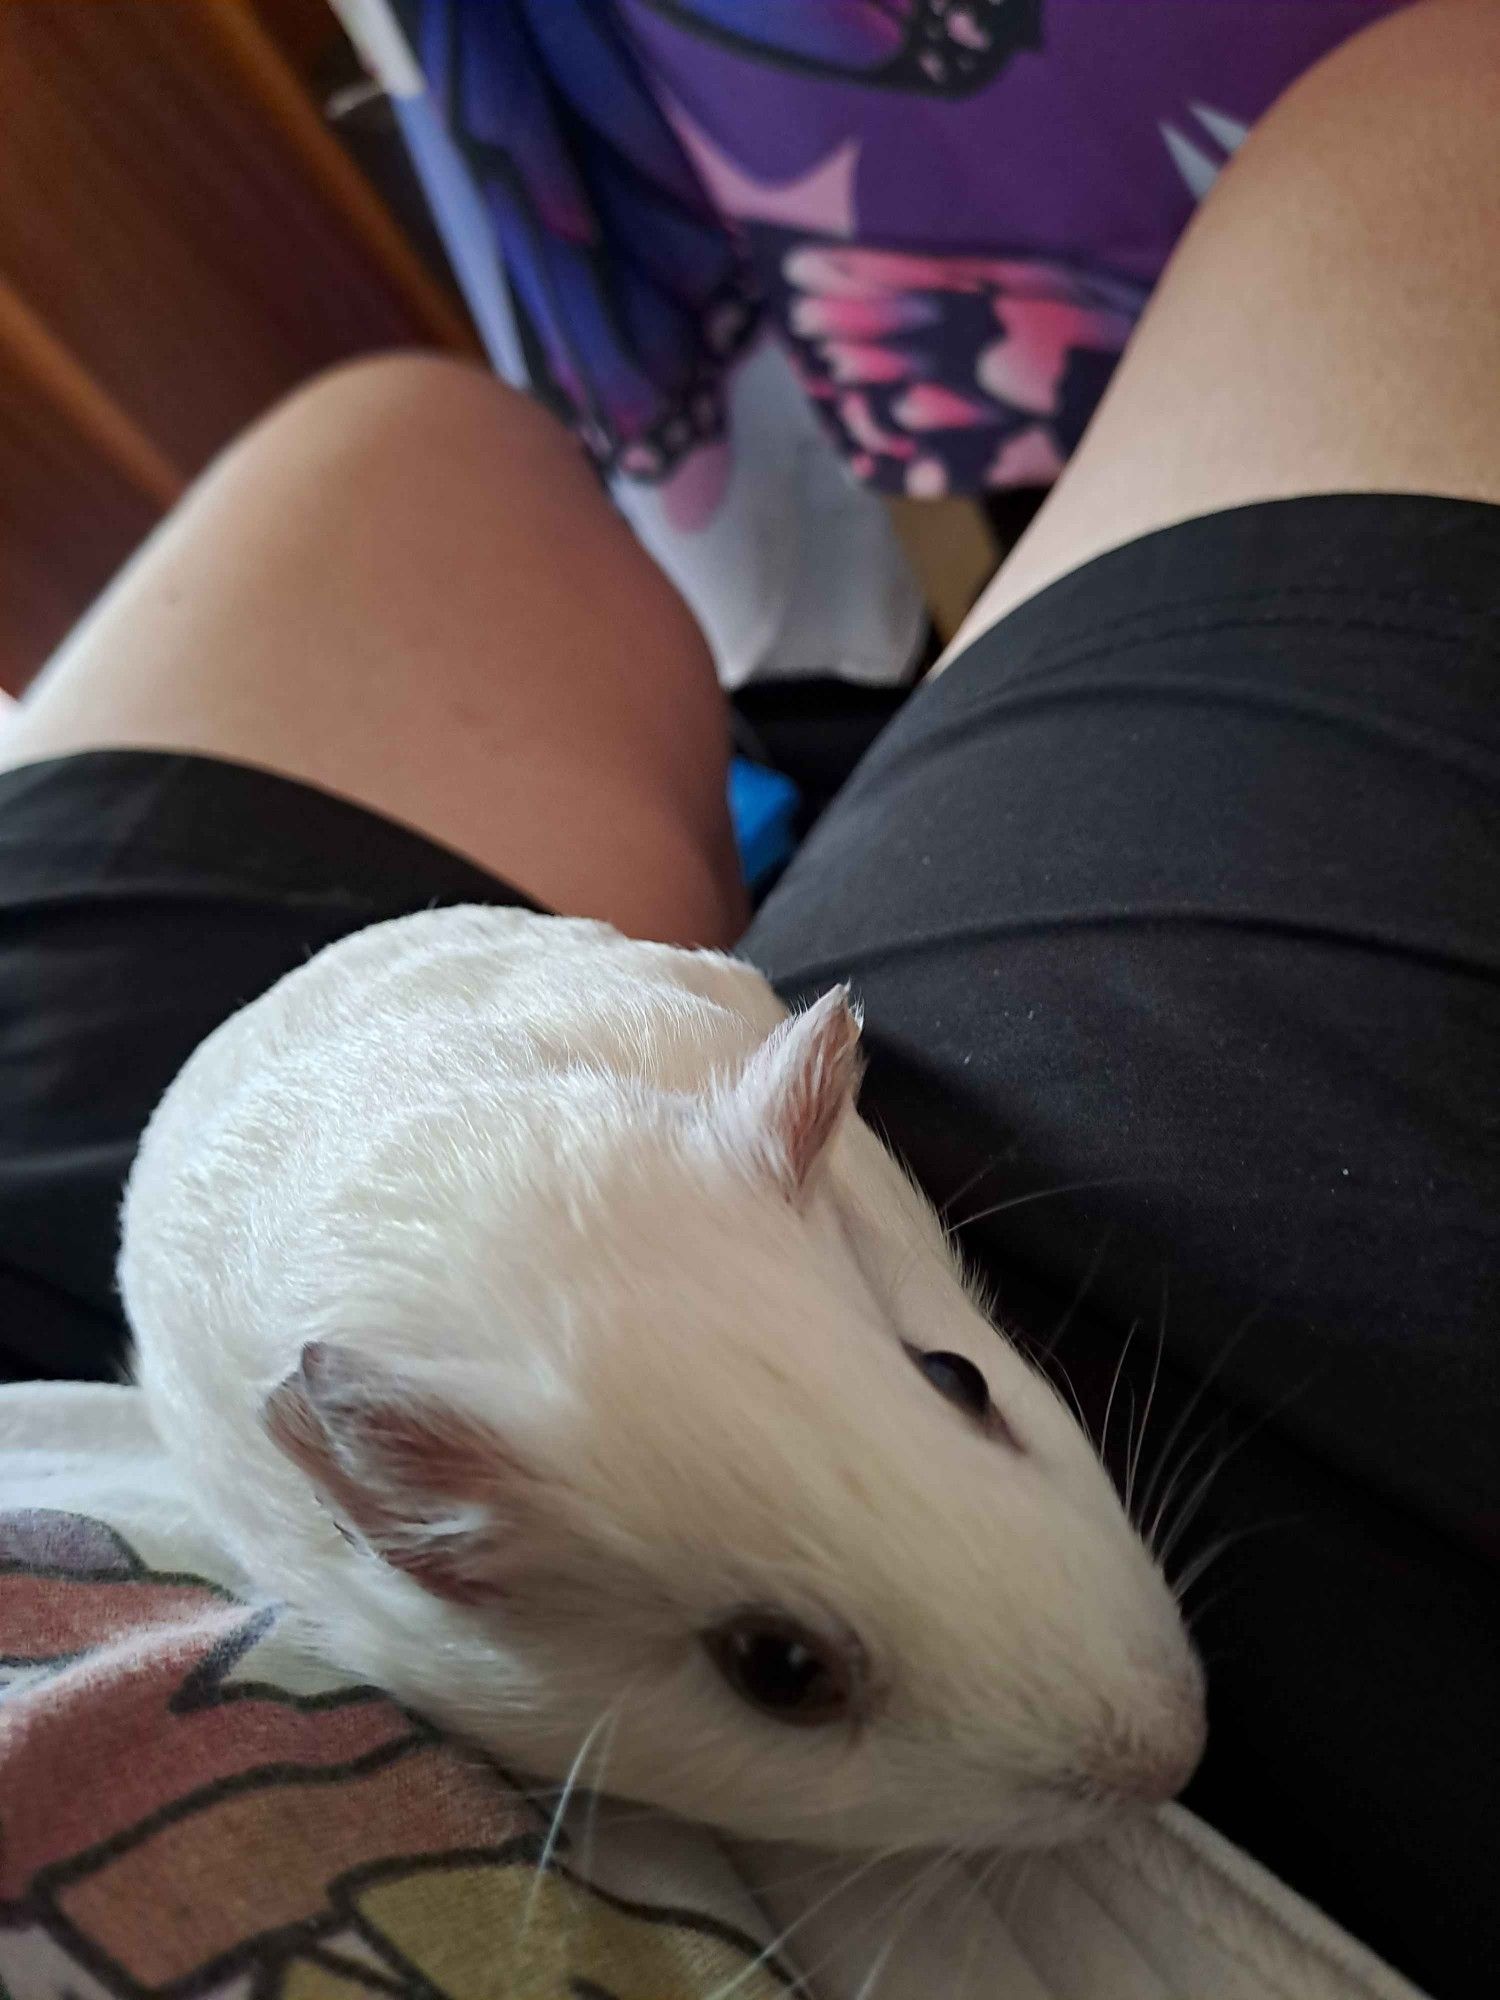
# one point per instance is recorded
(803, 1547)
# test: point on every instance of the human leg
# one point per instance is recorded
(407, 587)
(403, 592)
(1330, 322)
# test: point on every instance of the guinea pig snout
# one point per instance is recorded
(1152, 1761)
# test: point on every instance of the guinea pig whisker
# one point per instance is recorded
(597, 1786)
(1130, 1416)
(1174, 1486)
(1134, 1459)
(1202, 1611)
(1041, 1194)
(965, 1186)
(1043, 1359)
(1230, 1451)
(1005, 1911)
(1191, 1504)
(975, 1906)
(1109, 1406)
(1054, 1339)
(1072, 1395)
(1013, 1895)
(1185, 1415)
(903, 1907)
(878, 1964)
(554, 1831)
(1194, 1572)
(778, 1943)
(1198, 1568)
(909, 1902)
(950, 1228)
(769, 1884)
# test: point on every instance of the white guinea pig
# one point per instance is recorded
(532, 1314)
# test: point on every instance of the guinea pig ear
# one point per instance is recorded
(785, 1106)
(434, 1492)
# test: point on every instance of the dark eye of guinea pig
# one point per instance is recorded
(956, 1377)
(780, 1667)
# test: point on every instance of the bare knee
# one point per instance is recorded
(1331, 321)
(408, 409)
(417, 387)
(1419, 56)
(1367, 143)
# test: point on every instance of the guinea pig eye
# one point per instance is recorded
(781, 1668)
(956, 1377)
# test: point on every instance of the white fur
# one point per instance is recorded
(501, 1159)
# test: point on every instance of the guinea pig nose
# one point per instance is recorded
(1150, 1768)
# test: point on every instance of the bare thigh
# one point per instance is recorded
(407, 587)
(1330, 323)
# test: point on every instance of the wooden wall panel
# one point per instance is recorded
(182, 241)
(303, 30)
(68, 518)
(172, 209)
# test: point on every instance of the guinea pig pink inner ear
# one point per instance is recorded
(785, 1106)
(433, 1492)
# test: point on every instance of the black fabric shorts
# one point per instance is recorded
(1175, 910)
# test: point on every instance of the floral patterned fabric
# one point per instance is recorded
(952, 211)
(191, 1807)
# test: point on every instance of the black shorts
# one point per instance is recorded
(1175, 911)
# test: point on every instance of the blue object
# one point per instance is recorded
(762, 805)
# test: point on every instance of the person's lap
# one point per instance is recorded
(1171, 910)
(406, 589)
(405, 586)
(1172, 887)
